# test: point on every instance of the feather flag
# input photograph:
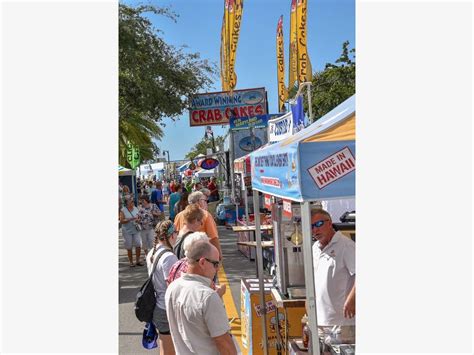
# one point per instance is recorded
(224, 56)
(282, 92)
(293, 52)
(304, 64)
(235, 10)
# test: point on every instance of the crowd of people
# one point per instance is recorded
(189, 315)
(183, 255)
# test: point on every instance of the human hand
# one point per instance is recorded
(349, 308)
(221, 290)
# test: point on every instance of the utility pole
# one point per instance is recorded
(167, 152)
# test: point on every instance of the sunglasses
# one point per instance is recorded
(213, 262)
(319, 223)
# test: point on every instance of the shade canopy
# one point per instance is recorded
(205, 173)
(125, 172)
(314, 164)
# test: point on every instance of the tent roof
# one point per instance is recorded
(330, 121)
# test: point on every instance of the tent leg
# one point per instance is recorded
(259, 257)
(309, 275)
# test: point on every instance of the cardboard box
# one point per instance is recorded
(251, 319)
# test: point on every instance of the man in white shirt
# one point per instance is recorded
(334, 272)
(197, 318)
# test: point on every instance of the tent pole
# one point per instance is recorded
(259, 255)
(309, 275)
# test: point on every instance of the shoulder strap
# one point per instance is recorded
(155, 262)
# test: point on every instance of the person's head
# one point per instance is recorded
(197, 197)
(125, 189)
(206, 192)
(192, 238)
(197, 186)
(129, 201)
(193, 217)
(183, 201)
(203, 259)
(144, 200)
(321, 226)
(158, 185)
(165, 233)
(178, 188)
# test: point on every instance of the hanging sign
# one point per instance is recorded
(280, 128)
(208, 163)
(268, 202)
(287, 208)
(333, 167)
(216, 108)
(259, 121)
(133, 155)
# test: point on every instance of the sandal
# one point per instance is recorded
(132, 265)
(139, 263)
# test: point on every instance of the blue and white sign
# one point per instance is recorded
(280, 128)
(260, 121)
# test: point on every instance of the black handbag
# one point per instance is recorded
(146, 298)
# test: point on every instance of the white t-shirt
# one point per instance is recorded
(161, 273)
(195, 315)
(334, 276)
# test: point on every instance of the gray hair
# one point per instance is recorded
(205, 191)
(319, 210)
(198, 250)
(192, 238)
(194, 197)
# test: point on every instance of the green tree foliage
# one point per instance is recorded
(155, 79)
(201, 147)
(333, 85)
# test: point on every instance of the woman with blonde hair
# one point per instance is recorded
(193, 217)
(162, 255)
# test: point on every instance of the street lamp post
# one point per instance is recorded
(167, 152)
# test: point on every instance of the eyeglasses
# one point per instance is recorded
(319, 223)
(213, 262)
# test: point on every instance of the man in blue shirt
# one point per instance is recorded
(157, 198)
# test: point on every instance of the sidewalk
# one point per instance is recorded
(235, 267)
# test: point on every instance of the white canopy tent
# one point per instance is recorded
(205, 173)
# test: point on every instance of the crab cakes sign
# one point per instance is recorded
(217, 108)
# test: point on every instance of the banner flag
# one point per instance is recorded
(298, 114)
(223, 56)
(304, 64)
(235, 9)
(133, 155)
(282, 91)
(293, 52)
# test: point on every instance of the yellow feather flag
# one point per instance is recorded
(304, 64)
(293, 65)
(224, 64)
(282, 92)
(235, 18)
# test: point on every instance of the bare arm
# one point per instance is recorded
(349, 305)
(225, 344)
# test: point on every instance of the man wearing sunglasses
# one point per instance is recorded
(334, 272)
(197, 318)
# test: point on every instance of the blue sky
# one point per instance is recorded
(330, 23)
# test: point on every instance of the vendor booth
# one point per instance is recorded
(128, 177)
(314, 165)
